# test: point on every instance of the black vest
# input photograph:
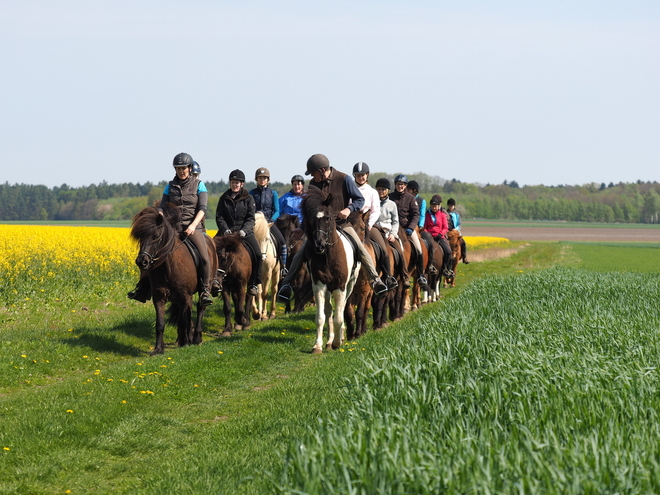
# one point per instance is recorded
(184, 195)
(263, 200)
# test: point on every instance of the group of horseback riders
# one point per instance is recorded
(236, 210)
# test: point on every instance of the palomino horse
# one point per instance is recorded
(235, 268)
(454, 237)
(270, 270)
(172, 274)
(332, 265)
(359, 302)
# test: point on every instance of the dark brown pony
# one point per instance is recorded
(416, 301)
(294, 236)
(359, 303)
(172, 274)
(235, 267)
(399, 303)
(454, 237)
(435, 278)
(381, 305)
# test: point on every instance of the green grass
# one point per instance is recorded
(223, 415)
(481, 222)
(619, 257)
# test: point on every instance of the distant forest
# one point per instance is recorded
(637, 202)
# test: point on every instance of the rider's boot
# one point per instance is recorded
(379, 287)
(142, 291)
(205, 296)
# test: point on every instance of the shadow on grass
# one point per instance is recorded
(103, 343)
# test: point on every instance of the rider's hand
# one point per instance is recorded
(242, 233)
(227, 232)
(343, 214)
(190, 230)
(409, 231)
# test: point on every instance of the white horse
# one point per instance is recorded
(332, 266)
(270, 270)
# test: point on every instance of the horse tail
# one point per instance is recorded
(261, 230)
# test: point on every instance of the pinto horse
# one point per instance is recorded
(454, 237)
(172, 274)
(332, 265)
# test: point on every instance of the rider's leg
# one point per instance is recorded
(446, 257)
(142, 291)
(255, 279)
(285, 291)
(377, 284)
(199, 239)
(377, 237)
(431, 245)
(281, 244)
(421, 280)
(464, 250)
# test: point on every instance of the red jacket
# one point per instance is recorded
(437, 227)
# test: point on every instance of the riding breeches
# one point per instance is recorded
(376, 236)
(255, 252)
(415, 240)
(198, 238)
(281, 243)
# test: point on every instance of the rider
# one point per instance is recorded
(413, 188)
(346, 198)
(408, 219)
(372, 205)
(290, 203)
(267, 202)
(435, 223)
(196, 169)
(388, 223)
(454, 219)
(235, 213)
(191, 196)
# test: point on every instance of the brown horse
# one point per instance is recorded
(416, 301)
(172, 274)
(454, 237)
(294, 237)
(359, 302)
(435, 278)
(399, 302)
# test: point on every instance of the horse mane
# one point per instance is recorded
(314, 201)
(148, 222)
(261, 229)
(230, 242)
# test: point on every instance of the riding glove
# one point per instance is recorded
(409, 231)
(242, 233)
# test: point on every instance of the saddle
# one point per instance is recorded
(197, 259)
(353, 244)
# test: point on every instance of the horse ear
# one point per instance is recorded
(328, 200)
(159, 220)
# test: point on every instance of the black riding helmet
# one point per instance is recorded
(413, 185)
(317, 162)
(299, 178)
(237, 175)
(182, 159)
(383, 182)
(360, 168)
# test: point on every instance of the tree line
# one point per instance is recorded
(637, 202)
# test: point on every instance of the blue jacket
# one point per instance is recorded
(291, 204)
(265, 200)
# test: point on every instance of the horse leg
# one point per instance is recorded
(226, 299)
(319, 295)
(330, 319)
(159, 305)
(339, 297)
(349, 318)
(184, 323)
(197, 331)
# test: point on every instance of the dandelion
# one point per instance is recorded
(85, 357)
(6, 448)
(220, 352)
(23, 356)
(123, 402)
(70, 411)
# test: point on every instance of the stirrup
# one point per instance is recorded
(422, 282)
(391, 283)
(205, 298)
(253, 290)
(433, 270)
(379, 287)
(285, 293)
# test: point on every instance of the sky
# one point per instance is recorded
(553, 92)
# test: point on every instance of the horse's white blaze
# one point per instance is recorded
(320, 214)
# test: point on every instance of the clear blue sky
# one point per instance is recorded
(553, 92)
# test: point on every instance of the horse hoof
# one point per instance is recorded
(155, 352)
(316, 350)
(238, 327)
(226, 333)
(273, 315)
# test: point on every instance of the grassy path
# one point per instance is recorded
(83, 408)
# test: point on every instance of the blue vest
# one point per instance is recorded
(263, 199)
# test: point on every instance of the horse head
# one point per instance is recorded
(319, 220)
(154, 234)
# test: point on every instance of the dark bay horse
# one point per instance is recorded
(357, 307)
(172, 274)
(454, 237)
(331, 262)
(294, 237)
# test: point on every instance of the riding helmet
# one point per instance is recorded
(401, 178)
(451, 201)
(182, 159)
(299, 178)
(383, 182)
(414, 185)
(317, 162)
(261, 172)
(360, 168)
(196, 169)
(237, 175)
(436, 199)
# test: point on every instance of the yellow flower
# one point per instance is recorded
(6, 448)
(69, 411)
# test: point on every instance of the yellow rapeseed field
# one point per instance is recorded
(485, 242)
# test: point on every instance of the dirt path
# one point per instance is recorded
(595, 234)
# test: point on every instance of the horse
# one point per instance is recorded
(270, 270)
(172, 274)
(415, 293)
(359, 302)
(332, 265)
(454, 237)
(435, 278)
(294, 236)
(399, 303)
